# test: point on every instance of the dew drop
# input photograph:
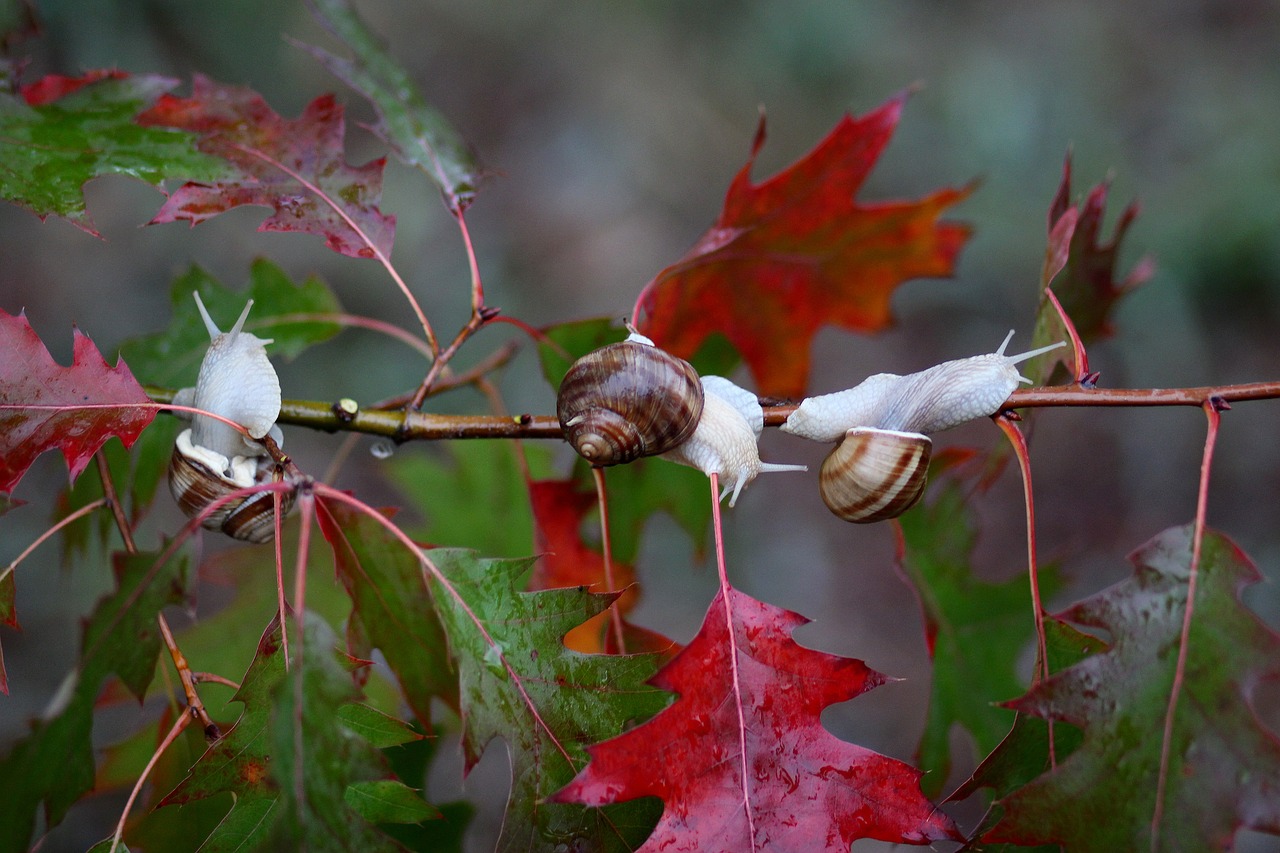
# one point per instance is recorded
(382, 449)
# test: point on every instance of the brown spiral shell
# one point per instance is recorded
(875, 474)
(251, 519)
(628, 400)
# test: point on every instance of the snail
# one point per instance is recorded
(628, 400)
(633, 399)
(211, 458)
(725, 441)
(878, 469)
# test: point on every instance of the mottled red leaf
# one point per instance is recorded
(45, 406)
(796, 253)
(296, 167)
(1224, 767)
(742, 762)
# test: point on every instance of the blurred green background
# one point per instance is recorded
(611, 131)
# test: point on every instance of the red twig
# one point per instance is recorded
(1023, 454)
(354, 226)
(1212, 412)
(726, 592)
(178, 727)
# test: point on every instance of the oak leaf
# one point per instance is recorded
(296, 167)
(519, 682)
(796, 252)
(45, 406)
(742, 762)
(1224, 767)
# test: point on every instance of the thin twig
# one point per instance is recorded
(420, 426)
(194, 706)
(178, 727)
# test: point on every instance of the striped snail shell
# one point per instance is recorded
(211, 459)
(195, 484)
(875, 474)
(877, 471)
(628, 400)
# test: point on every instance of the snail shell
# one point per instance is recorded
(195, 484)
(875, 474)
(213, 459)
(628, 400)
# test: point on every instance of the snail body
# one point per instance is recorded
(628, 400)
(878, 468)
(211, 458)
(726, 439)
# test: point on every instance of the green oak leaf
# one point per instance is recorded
(520, 683)
(173, 357)
(51, 150)
(975, 631)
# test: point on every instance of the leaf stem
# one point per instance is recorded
(176, 729)
(726, 596)
(354, 226)
(1212, 410)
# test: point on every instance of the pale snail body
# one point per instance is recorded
(726, 441)
(628, 400)
(633, 399)
(878, 469)
(212, 459)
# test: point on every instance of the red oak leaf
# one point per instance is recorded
(741, 760)
(1086, 281)
(797, 252)
(295, 167)
(75, 409)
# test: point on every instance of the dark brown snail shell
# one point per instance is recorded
(628, 400)
(251, 518)
(875, 474)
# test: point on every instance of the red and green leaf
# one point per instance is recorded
(1082, 273)
(797, 252)
(75, 409)
(296, 167)
(520, 683)
(1224, 767)
(64, 131)
(741, 761)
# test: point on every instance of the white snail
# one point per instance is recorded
(725, 441)
(211, 458)
(878, 469)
